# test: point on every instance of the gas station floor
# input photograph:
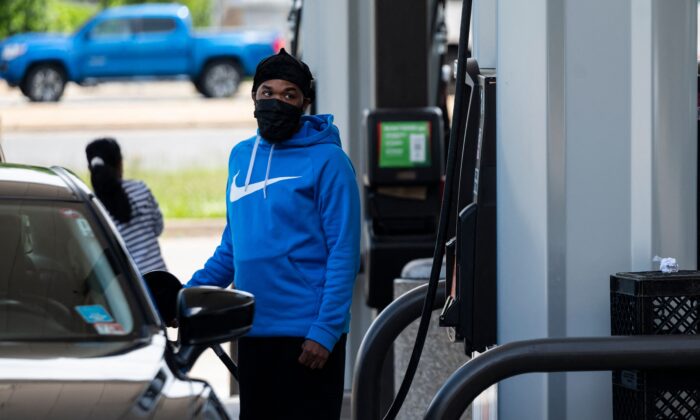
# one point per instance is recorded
(233, 407)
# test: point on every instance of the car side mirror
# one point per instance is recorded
(211, 315)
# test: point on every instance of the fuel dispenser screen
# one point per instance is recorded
(404, 147)
(404, 144)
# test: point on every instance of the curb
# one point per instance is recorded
(183, 228)
(126, 126)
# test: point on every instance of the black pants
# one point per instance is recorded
(274, 385)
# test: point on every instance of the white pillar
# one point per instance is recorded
(522, 194)
(325, 47)
(642, 132)
(597, 164)
(484, 18)
(598, 182)
(337, 44)
(674, 148)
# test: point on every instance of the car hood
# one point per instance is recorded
(37, 39)
(82, 380)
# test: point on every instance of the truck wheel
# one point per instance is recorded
(219, 79)
(198, 85)
(44, 83)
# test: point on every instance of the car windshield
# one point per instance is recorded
(58, 277)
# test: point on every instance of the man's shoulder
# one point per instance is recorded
(242, 145)
(330, 154)
(246, 142)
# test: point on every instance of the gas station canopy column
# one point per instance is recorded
(597, 155)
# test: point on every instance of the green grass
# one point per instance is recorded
(190, 193)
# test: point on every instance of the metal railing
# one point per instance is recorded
(560, 355)
(376, 343)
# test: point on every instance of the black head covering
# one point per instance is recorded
(104, 158)
(105, 148)
(285, 67)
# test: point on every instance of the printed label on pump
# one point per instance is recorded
(404, 144)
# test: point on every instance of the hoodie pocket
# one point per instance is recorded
(310, 274)
(282, 293)
(309, 279)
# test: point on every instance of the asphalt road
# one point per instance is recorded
(160, 125)
(162, 149)
(136, 106)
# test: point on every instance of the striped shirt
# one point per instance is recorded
(141, 233)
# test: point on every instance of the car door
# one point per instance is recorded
(104, 49)
(161, 46)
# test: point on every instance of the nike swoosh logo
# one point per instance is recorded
(237, 192)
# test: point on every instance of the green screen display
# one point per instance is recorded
(404, 144)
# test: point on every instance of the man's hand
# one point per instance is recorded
(313, 355)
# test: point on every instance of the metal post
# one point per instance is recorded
(377, 342)
(560, 355)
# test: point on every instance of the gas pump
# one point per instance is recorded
(402, 181)
(402, 194)
(470, 308)
(466, 233)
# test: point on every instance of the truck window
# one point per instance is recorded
(110, 29)
(155, 25)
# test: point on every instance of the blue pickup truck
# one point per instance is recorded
(134, 42)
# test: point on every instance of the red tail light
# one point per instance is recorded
(278, 44)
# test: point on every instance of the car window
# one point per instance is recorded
(111, 29)
(155, 25)
(58, 275)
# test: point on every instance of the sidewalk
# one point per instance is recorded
(179, 228)
(233, 406)
(137, 105)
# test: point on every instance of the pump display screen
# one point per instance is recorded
(404, 144)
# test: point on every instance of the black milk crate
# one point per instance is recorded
(654, 303)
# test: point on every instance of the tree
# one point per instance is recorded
(67, 15)
(42, 15)
(22, 16)
(200, 9)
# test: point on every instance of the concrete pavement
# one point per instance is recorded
(153, 149)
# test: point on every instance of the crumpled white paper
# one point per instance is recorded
(666, 264)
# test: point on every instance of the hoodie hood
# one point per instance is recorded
(315, 129)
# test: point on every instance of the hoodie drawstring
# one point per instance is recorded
(252, 163)
(267, 172)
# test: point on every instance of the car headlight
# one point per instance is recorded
(12, 51)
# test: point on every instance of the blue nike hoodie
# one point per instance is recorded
(292, 236)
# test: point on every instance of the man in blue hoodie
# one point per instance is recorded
(292, 239)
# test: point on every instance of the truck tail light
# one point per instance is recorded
(278, 44)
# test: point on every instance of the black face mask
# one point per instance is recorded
(277, 120)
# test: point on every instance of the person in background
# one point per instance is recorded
(130, 204)
(292, 239)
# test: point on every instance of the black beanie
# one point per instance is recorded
(104, 158)
(105, 148)
(285, 67)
